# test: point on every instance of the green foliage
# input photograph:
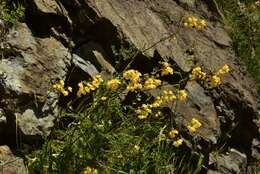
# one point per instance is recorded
(122, 55)
(242, 18)
(11, 12)
(106, 135)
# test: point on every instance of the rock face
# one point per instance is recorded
(232, 162)
(28, 68)
(9, 164)
(59, 36)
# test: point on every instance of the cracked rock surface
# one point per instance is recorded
(58, 36)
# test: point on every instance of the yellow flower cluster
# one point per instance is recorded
(173, 134)
(60, 87)
(216, 79)
(158, 114)
(222, 71)
(178, 142)
(182, 95)
(166, 97)
(194, 22)
(132, 86)
(166, 69)
(89, 170)
(144, 111)
(103, 98)
(84, 89)
(257, 3)
(194, 125)
(152, 83)
(113, 84)
(162, 137)
(198, 73)
(134, 77)
(136, 148)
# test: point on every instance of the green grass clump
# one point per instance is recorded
(10, 13)
(107, 136)
(242, 19)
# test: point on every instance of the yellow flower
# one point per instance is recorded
(158, 114)
(191, 129)
(215, 81)
(197, 73)
(83, 90)
(61, 82)
(194, 125)
(182, 95)
(136, 148)
(56, 86)
(132, 75)
(162, 137)
(59, 86)
(80, 85)
(168, 96)
(96, 81)
(69, 89)
(133, 86)
(173, 133)
(157, 103)
(151, 83)
(143, 111)
(225, 69)
(194, 22)
(65, 93)
(201, 25)
(103, 98)
(166, 70)
(113, 84)
(91, 87)
(178, 142)
(89, 170)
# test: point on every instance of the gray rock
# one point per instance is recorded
(213, 172)
(94, 53)
(49, 6)
(28, 123)
(2, 124)
(10, 164)
(199, 106)
(31, 66)
(84, 65)
(229, 163)
(256, 149)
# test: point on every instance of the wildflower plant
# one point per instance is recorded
(210, 81)
(109, 135)
(194, 22)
